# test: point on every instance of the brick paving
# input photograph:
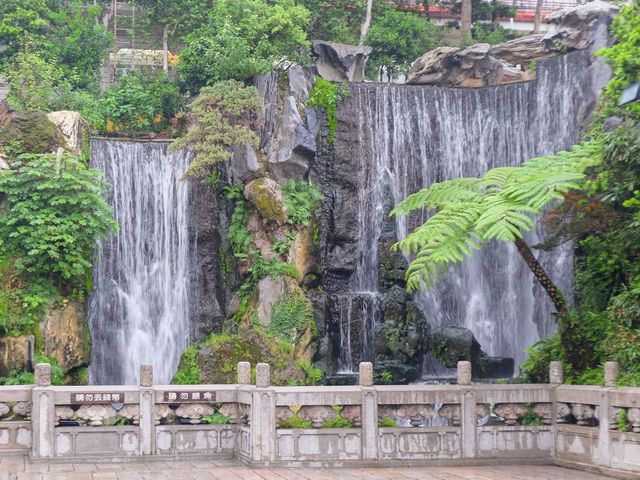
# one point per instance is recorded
(16, 468)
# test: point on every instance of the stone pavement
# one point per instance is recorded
(16, 468)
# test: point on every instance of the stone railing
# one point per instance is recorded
(581, 426)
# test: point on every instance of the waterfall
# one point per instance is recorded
(409, 137)
(139, 307)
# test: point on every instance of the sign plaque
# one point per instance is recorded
(84, 398)
(186, 397)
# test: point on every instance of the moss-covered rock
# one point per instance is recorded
(265, 194)
(33, 131)
(66, 337)
(215, 360)
(16, 353)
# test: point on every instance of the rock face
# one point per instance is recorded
(72, 127)
(4, 104)
(266, 195)
(338, 62)
(16, 353)
(66, 336)
(575, 27)
(269, 291)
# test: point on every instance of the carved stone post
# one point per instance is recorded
(556, 373)
(464, 373)
(244, 373)
(263, 417)
(42, 417)
(369, 412)
(467, 410)
(603, 449)
(147, 411)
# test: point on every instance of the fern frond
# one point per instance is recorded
(471, 211)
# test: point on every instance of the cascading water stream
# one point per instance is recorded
(139, 308)
(412, 136)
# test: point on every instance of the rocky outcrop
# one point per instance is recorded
(269, 291)
(338, 62)
(16, 353)
(73, 128)
(521, 51)
(450, 66)
(4, 104)
(266, 196)
(303, 255)
(66, 336)
(575, 28)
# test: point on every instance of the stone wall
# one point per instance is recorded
(576, 426)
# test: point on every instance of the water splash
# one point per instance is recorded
(139, 308)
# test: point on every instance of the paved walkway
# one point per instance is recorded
(17, 469)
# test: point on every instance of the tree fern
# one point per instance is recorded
(468, 212)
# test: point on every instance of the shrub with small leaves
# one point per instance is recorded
(55, 210)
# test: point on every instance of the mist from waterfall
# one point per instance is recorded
(412, 136)
(139, 307)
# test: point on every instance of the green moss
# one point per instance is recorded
(623, 423)
(291, 315)
(80, 376)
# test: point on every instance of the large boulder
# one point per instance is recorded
(450, 66)
(66, 337)
(16, 353)
(521, 50)
(451, 344)
(338, 62)
(576, 27)
(270, 289)
(33, 130)
(72, 127)
(267, 197)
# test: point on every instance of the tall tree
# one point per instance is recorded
(465, 18)
(499, 206)
(367, 22)
(538, 16)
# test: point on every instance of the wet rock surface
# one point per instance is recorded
(338, 62)
(66, 337)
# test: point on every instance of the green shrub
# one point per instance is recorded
(18, 378)
(223, 116)
(623, 423)
(314, 376)
(135, 104)
(300, 200)
(294, 422)
(530, 418)
(188, 371)
(326, 95)
(216, 419)
(338, 422)
(55, 210)
(387, 423)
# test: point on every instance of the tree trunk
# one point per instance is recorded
(538, 18)
(568, 332)
(532, 262)
(165, 49)
(465, 18)
(367, 23)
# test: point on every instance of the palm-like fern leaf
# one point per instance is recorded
(471, 211)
